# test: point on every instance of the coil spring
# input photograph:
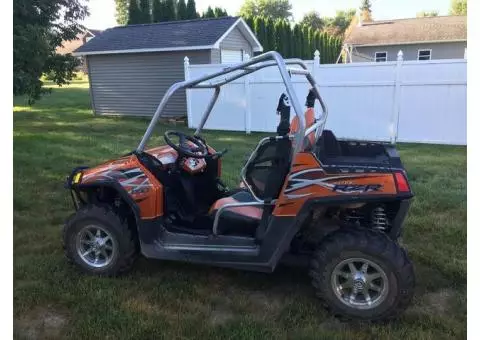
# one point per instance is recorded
(379, 218)
(353, 216)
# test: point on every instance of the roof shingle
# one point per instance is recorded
(387, 32)
(170, 34)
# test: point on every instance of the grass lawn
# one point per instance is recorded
(174, 300)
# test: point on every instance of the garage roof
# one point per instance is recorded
(181, 35)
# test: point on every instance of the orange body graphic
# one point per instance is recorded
(137, 181)
(309, 180)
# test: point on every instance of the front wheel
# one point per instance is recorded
(362, 274)
(99, 241)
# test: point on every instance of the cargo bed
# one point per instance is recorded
(359, 154)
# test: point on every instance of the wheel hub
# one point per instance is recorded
(95, 246)
(359, 283)
(358, 286)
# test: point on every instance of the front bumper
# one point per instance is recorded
(71, 182)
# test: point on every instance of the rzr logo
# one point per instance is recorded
(347, 188)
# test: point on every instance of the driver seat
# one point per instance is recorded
(237, 220)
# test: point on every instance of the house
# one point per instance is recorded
(427, 38)
(68, 46)
(131, 67)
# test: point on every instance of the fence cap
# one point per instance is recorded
(400, 55)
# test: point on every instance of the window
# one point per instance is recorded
(380, 57)
(424, 54)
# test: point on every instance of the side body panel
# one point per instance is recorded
(308, 180)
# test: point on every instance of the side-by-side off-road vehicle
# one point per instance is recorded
(304, 195)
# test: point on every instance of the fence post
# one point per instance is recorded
(186, 67)
(396, 99)
(248, 111)
(316, 63)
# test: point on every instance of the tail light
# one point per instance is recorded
(402, 183)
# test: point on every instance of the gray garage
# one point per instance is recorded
(131, 67)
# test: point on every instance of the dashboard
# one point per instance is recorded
(167, 156)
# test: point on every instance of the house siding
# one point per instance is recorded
(235, 40)
(215, 57)
(450, 50)
(133, 84)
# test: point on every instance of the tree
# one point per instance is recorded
(181, 10)
(458, 7)
(366, 10)
(191, 10)
(121, 11)
(36, 35)
(423, 14)
(312, 19)
(249, 21)
(220, 12)
(209, 13)
(306, 54)
(134, 13)
(144, 7)
(338, 24)
(366, 6)
(260, 31)
(273, 9)
(297, 48)
(168, 13)
(287, 39)
(157, 10)
(270, 34)
(311, 42)
(277, 36)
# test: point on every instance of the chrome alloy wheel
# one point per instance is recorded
(359, 283)
(95, 246)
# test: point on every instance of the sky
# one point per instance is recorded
(102, 12)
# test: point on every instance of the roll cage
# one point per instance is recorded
(234, 72)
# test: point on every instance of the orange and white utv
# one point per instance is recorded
(339, 205)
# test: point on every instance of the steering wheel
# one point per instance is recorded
(187, 145)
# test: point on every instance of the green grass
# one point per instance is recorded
(175, 300)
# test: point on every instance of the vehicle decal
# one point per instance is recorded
(132, 179)
(312, 177)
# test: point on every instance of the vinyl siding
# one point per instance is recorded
(215, 57)
(134, 84)
(452, 50)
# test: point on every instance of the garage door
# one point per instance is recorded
(231, 56)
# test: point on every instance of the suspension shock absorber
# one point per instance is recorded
(379, 218)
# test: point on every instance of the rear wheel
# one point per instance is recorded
(99, 241)
(362, 274)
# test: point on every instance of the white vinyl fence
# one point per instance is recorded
(405, 101)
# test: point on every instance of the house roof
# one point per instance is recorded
(68, 46)
(180, 35)
(409, 31)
